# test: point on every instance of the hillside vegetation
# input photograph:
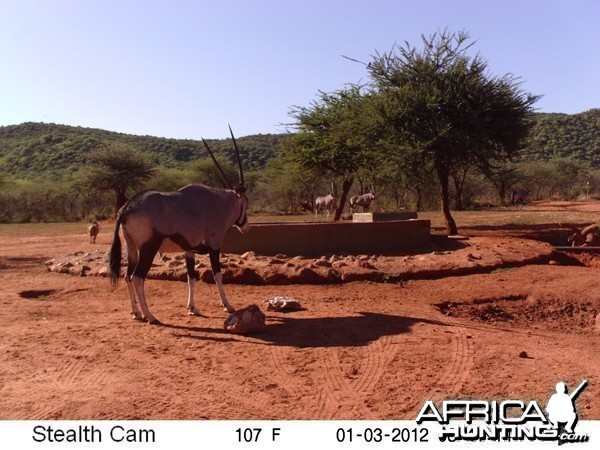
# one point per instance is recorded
(44, 167)
(31, 149)
(574, 136)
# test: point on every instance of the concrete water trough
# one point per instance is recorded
(318, 238)
(383, 216)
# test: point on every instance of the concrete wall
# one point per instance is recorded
(383, 216)
(336, 237)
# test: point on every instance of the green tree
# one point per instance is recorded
(505, 177)
(333, 137)
(571, 177)
(166, 180)
(204, 171)
(120, 169)
(281, 187)
(443, 107)
(3, 182)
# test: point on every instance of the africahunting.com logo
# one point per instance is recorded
(509, 420)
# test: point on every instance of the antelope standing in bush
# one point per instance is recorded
(93, 231)
(361, 200)
(519, 196)
(324, 203)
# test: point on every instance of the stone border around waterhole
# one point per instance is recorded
(440, 258)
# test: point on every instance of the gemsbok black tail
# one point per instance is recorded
(114, 255)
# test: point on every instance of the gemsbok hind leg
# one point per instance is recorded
(135, 312)
(146, 256)
(132, 262)
(216, 268)
(190, 265)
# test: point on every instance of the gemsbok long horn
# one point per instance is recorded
(227, 184)
(237, 152)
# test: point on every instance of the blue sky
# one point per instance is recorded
(187, 68)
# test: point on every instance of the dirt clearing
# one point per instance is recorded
(357, 350)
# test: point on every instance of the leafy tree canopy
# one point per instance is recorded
(334, 137)
(440, 105)
(119, 169)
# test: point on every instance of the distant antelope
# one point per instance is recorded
(93, 231)
(324, 203)
(519, 196)
(305, 206)
(193, 220)
(361, 200)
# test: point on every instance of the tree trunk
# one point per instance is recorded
(418, 205)
(445, 201)
(346, 185)
(502, 193)
(459, 184)
(458, 189)
(457, 193)
(396, 197)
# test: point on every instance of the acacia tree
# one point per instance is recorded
(205, 172)
(504, 175)
(118, 168)
(332, 137)
(443, 107)
(283, 185)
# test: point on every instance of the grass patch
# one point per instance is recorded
(42, 229)
(464, 219)
(504, 217)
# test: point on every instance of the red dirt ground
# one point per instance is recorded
(359, 350)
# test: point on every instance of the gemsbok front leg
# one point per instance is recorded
(190, 265)
(215, 264)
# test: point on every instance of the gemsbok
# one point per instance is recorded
(519, 197)
(326, 203)
(361, 200)
(192, 220)
(93, 231)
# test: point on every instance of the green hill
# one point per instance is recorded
(34, 148)
(31, 149)
(574, 136)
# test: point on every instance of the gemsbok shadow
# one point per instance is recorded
(350, 331)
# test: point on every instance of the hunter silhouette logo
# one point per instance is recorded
(561, 410)
(508, 420)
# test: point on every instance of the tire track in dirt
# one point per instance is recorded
(285, 376)
(337, 394)
(336, 387)
(451, 380)
(379, 355)
(453, 377)
(73, 372)
(77, 370)
(38, 411)
(350, 395)
(49, 412)
(284, 372)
